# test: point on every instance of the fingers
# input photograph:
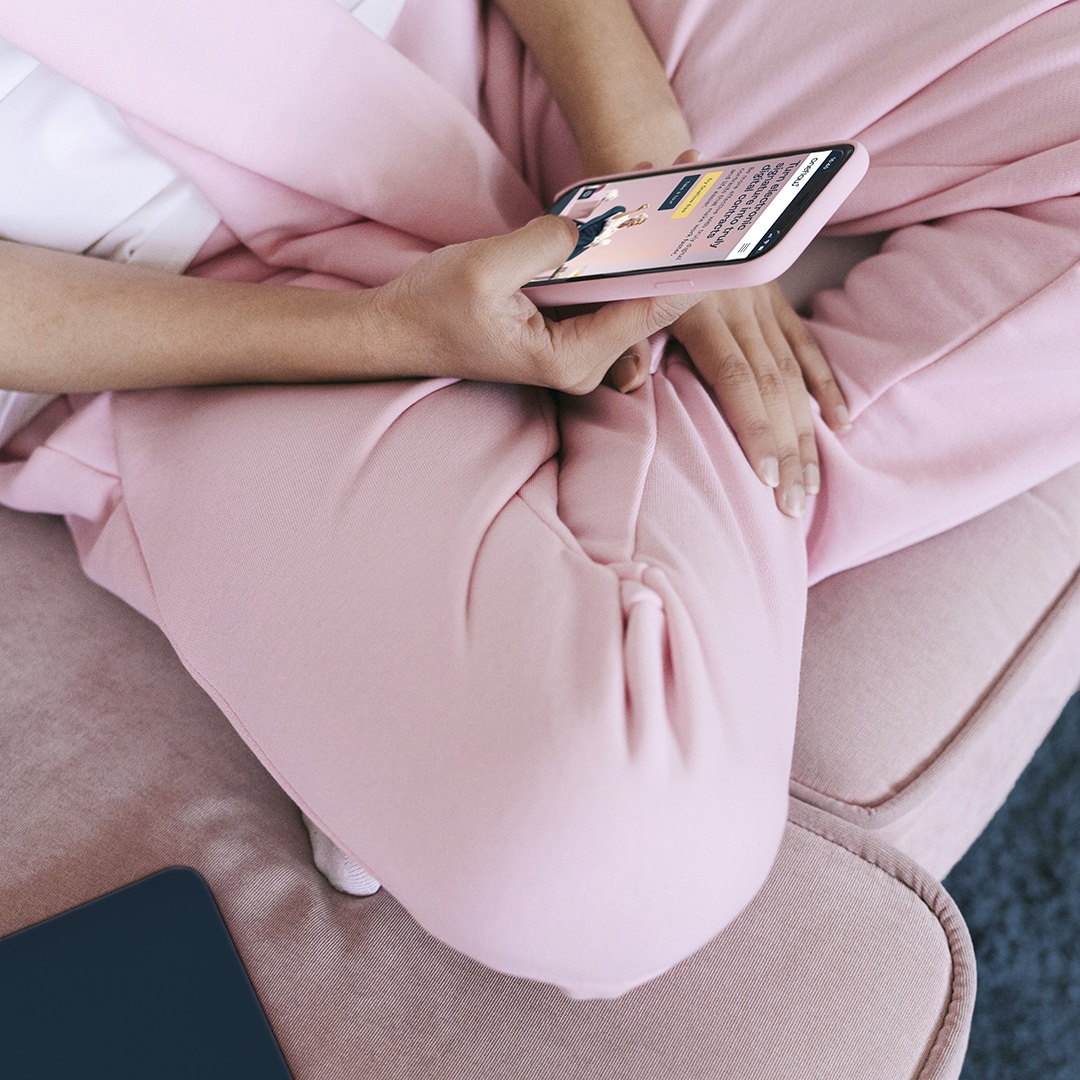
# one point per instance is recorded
(760, 360)
(787, 405)
(632, 368)
(687, 157)
(507, 262)
(735, 360)
(816, 372)
(614, 331)
(475, 289)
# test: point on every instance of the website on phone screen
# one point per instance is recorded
(708, 214)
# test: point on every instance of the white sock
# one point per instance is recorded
(339, 869)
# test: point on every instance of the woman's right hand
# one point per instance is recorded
(460, 312)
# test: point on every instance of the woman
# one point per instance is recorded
(533, 659)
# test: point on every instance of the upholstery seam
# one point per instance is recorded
(1021, 658)
(872, 860)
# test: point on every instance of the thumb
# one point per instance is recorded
(535, 249)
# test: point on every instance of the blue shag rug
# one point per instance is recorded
(1019, 890)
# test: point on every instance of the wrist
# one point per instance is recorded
(658, 135)
(355, 336)
(299, 335)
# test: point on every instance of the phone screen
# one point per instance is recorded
(732, 211)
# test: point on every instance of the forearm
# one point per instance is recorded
(70, 323)
(607, 79)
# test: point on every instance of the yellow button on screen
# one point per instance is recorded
(697, 193)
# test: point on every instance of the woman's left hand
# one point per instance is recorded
(760, 361)
(762, 364)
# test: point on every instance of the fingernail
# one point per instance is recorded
(794, 501)
(812, 479)
(843, 417)
(770, 472)
(625, 372)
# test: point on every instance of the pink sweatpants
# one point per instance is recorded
(533, 660)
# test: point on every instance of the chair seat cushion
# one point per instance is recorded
(931, 676)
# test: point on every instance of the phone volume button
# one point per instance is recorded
(684, 284)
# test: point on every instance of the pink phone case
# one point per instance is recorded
(721, 275)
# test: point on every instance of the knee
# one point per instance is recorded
(598, 900)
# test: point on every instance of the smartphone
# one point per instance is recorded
(712, 225)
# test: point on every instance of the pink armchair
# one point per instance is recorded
(930, 677)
